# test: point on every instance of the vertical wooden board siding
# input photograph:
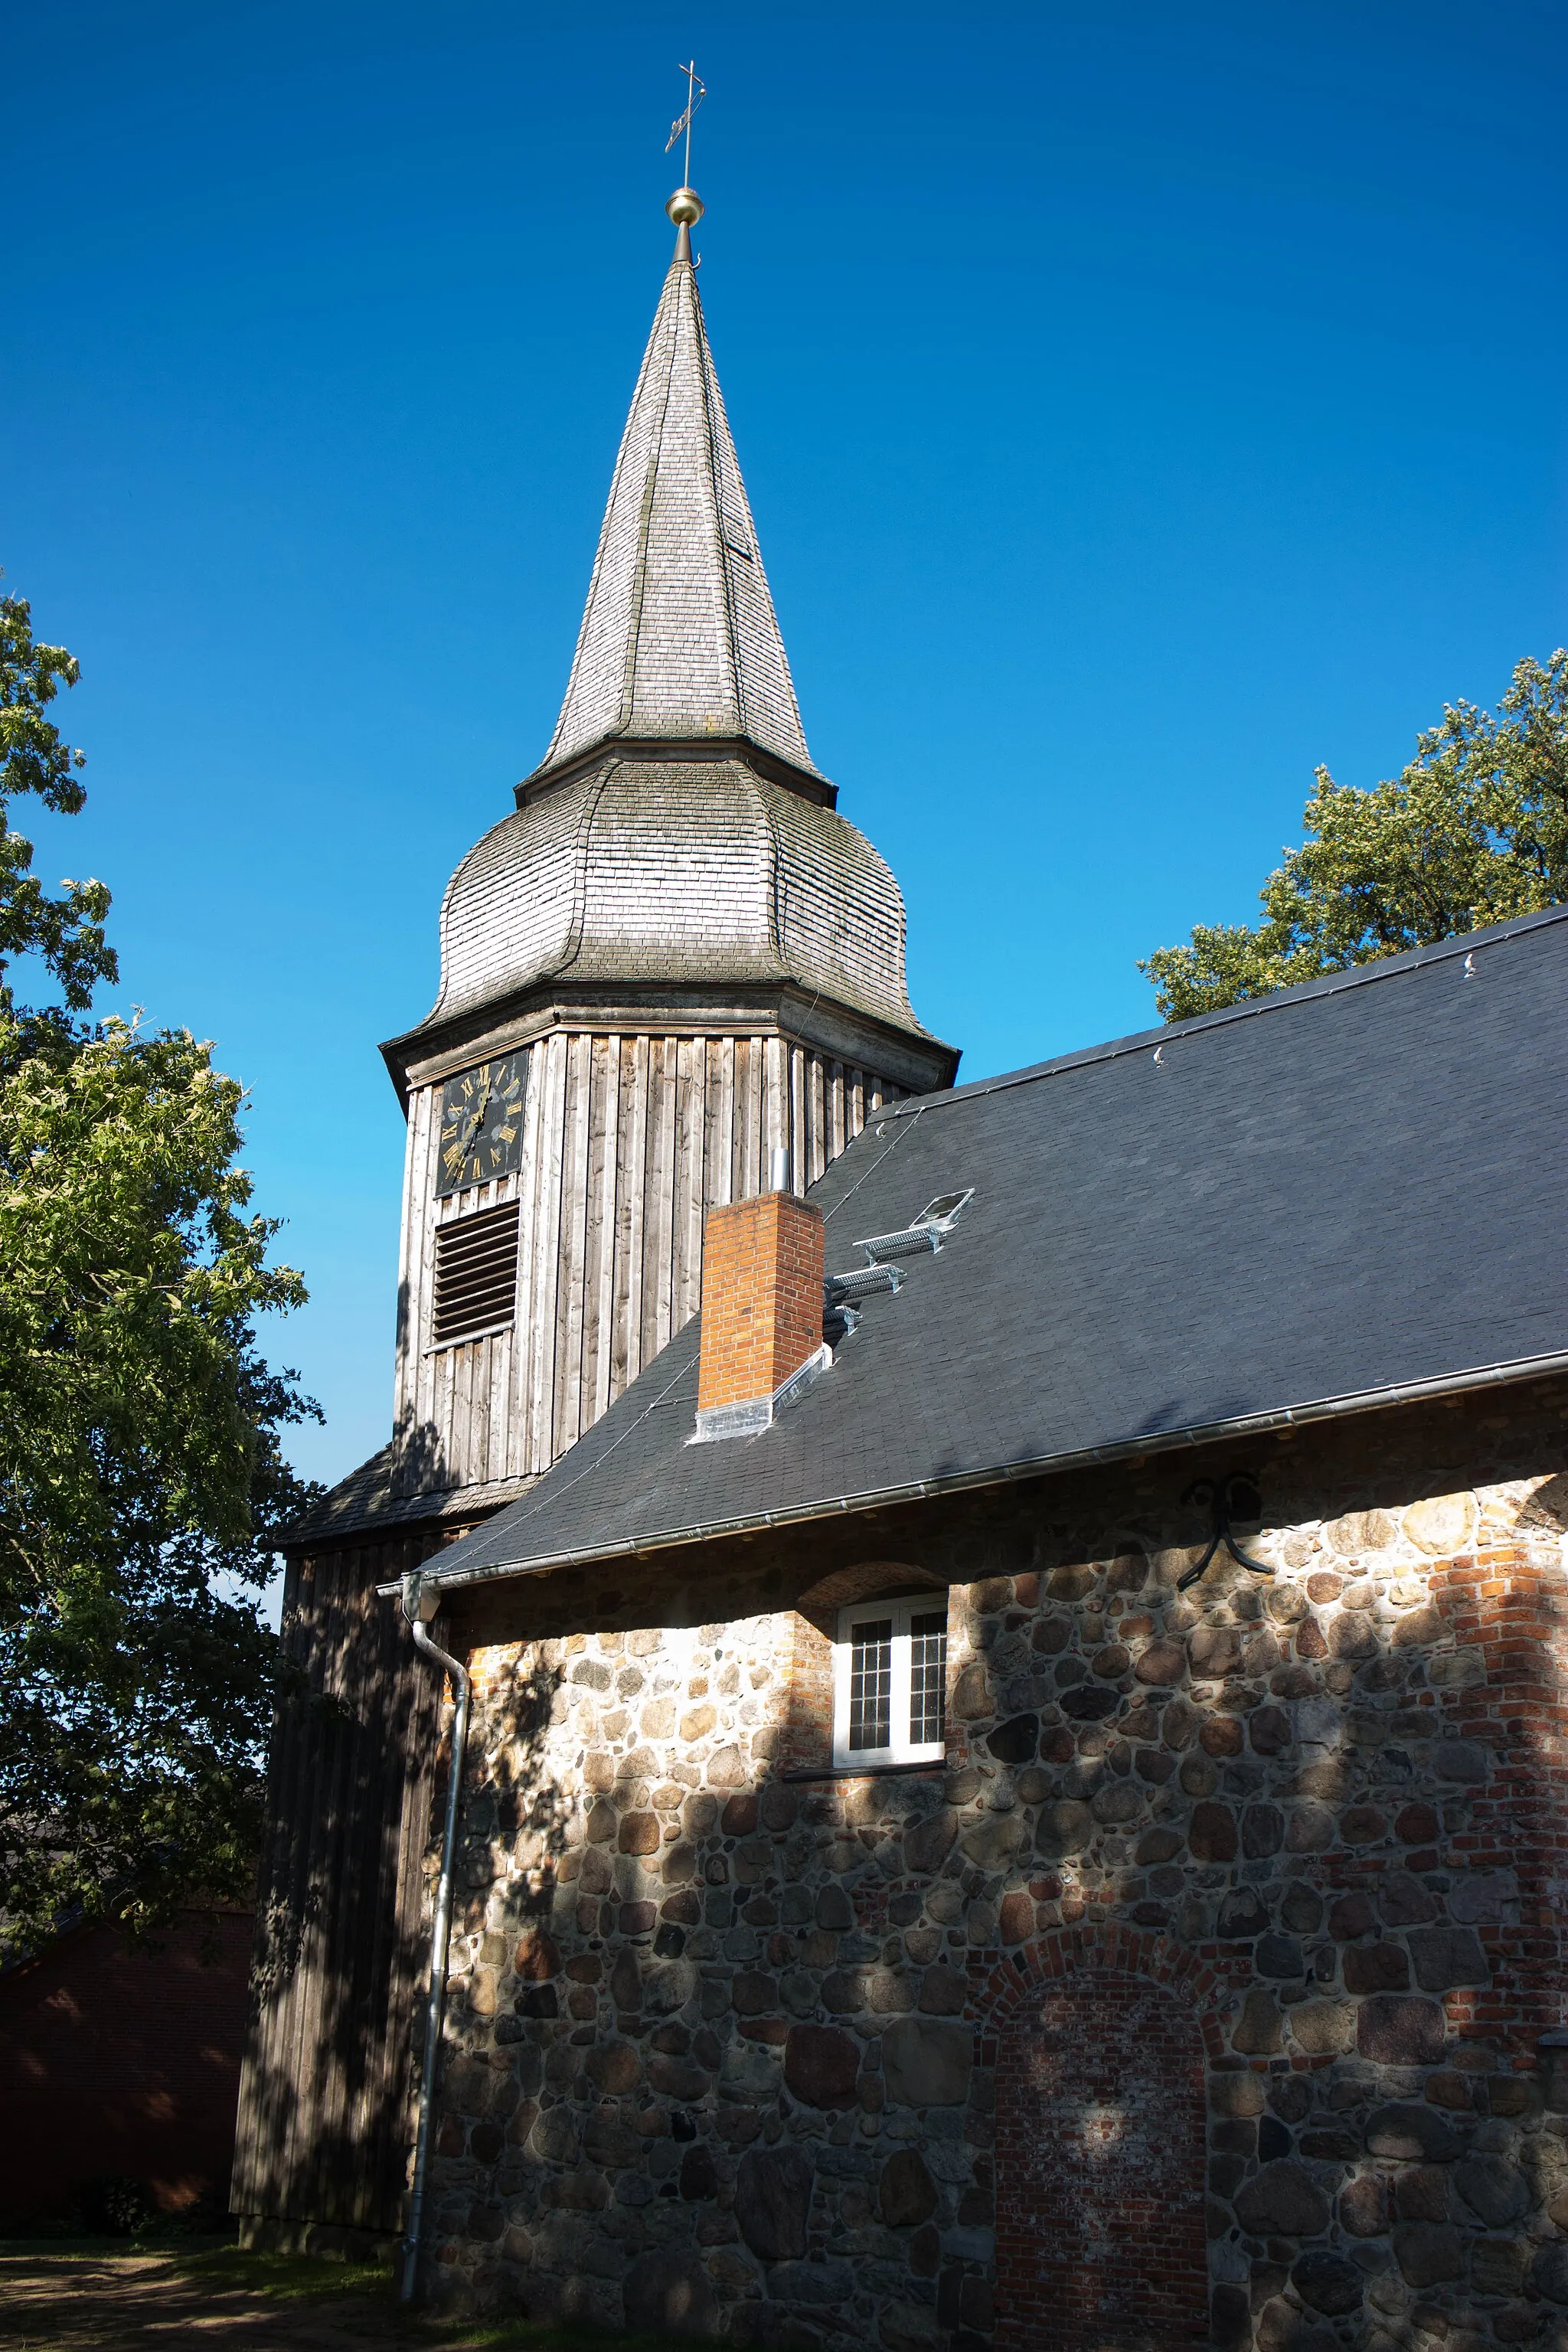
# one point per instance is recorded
(857, 1103)
(322, 2106)
(799, 1138)
(819, 1118)
(567, 1414)
(657, 1198)
(547, 1260)
(691, 1073)
(608, 1083)
(520, 1391)
(622, 1088)
(637, 1206)
(719, 1180)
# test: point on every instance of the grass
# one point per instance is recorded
(306, 2279)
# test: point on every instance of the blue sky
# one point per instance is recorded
(1138, 406)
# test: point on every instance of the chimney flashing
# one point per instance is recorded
(751, 1416)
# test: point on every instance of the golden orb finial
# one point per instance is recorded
(685, 208)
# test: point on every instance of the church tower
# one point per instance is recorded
(672, 961)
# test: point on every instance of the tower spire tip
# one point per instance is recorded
(685, 208)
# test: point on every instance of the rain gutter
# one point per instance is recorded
(1394, 1393)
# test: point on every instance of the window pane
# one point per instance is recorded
(928, 1678)
(871, 1683)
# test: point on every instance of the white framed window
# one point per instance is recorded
(889, 1682)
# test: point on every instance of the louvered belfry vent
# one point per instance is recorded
(476, 1274)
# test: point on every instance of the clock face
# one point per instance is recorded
(481, 1123)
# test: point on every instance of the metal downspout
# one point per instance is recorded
(421, 1600)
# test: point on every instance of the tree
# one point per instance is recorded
(67, 933)
(1474, 831)
(141, 1477)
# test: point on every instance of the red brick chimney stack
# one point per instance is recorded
(763, 1264)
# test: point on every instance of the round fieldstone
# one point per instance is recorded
(1427, 2252)
(1400, 2029)
(1364, 2206)
(1404, 1902)
(1162, 1663)
(1282, 2200)
(971, 1694)
(1089, 1701)
(1262, 1831)
(1350, 1916)
(667, 2293)
(1017, 1923)
(1015, 1742)
(1064, 1827)
(614, 2066)
(926, 2062)
(928, 1844)
(822, 2064)
(1241, 1913)
(1446, 1957)
(1494, 2189)
(1211, 1834)
(1415, 1825)
(1548, 2272)
(906, 2192)
(1418, 2134)
(1269, 1731)
(1329, 2281)
(1258, 2029)
(538, 1957)
(772, 2201)
(834, 1909)
(994, 1838)
(1376, 1968)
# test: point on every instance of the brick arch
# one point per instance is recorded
(1100, 2041)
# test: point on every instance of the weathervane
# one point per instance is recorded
(696, 92)
(685, 207)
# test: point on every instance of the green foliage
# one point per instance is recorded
(141, 1477)
(67, 933)
(1474, 831)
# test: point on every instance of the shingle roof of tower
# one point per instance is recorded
(677, 832)
(678, 638)
(677, 872)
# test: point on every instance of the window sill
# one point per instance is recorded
(865, 1771)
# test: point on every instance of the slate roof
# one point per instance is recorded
(678, 636)
(1330, 1198)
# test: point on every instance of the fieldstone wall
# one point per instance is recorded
(727, 2046)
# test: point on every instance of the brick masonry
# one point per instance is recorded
(1233, 1910)
(762, 1296)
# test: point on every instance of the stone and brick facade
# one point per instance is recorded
(1198, 1996)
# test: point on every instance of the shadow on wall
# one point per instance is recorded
(1197, 1998)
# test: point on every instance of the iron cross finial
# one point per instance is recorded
(696, 92)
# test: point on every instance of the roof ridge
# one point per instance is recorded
(1279, 999)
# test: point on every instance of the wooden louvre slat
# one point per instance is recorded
(476, 1274)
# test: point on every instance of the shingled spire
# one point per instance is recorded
(680, 642)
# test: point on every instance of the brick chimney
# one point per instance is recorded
(762, 1309)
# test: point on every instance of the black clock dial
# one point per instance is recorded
(481, 1123)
